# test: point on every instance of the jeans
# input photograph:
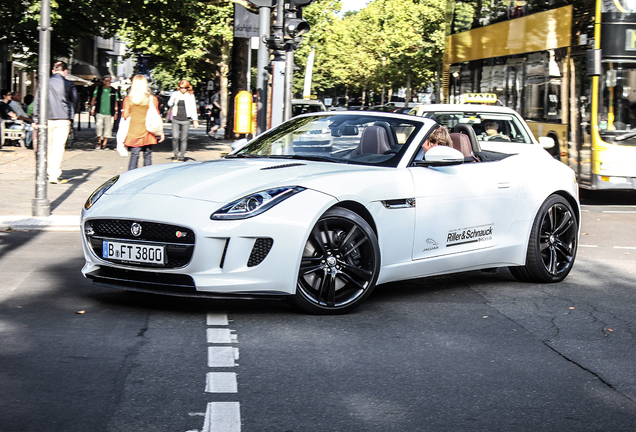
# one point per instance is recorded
(134, 156)
(180, 131)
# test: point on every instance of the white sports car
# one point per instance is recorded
(323, 228)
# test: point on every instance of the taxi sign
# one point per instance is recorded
(481, 98)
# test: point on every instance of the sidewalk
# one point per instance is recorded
(84, 168)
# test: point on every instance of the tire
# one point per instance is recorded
(339, 266)
(552, 245)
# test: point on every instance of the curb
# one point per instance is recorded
(30, 223)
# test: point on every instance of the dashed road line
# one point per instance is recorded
(221, 416)
(220, 335)
(221, 382)
(217, 319)
(222, 356)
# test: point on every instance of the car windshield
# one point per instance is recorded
(488, 126)
(351, 138)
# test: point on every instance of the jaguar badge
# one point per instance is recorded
(135, 229)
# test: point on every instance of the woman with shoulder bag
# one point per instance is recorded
(136, 113)
(184, 109)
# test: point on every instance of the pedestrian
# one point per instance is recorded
(18, 108)
(62, 96)
(184, 109)
(104, 107)
(6, 112)
(216, 113)
(136, 106)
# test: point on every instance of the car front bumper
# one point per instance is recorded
(254, 256)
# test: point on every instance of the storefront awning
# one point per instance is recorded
(85, 71)
(78, 81)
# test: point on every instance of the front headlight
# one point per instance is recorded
(255, 203)
(99, 192)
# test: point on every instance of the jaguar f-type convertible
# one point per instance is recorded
(326, 206)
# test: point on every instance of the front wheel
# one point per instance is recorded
(340, 264)
(552, 245)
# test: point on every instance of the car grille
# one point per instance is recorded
(179, 241)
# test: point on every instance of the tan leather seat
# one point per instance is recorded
(461, 142)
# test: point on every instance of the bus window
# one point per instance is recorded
(618, 95)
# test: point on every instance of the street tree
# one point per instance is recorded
(72, 21)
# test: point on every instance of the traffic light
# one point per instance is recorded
(295, 27)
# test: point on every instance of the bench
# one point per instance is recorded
(6, 133)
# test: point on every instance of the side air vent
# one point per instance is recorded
(399, 203)
(260, 250)
(283, 166)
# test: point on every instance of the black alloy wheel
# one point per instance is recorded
(340, 264)
(553, 243)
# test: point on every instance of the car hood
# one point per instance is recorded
(228, 179)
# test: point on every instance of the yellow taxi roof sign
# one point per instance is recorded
(481, 98)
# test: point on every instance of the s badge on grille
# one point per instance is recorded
(135, 229)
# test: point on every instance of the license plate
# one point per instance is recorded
(133, 252)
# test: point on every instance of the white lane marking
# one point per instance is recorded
(222, 356)
(624, 247)
(587, 245)
(221, 382)
(222, 417)
(220, 335)
(619, 211)
(217, 319)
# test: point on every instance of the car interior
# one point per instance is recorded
(509, 129)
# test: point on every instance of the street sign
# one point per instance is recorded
(245, 23)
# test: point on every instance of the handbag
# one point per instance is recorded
(154, 122)
(121, 136)
(215, 111)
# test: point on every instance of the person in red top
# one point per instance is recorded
(135, 107)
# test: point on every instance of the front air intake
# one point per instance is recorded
(260, 250)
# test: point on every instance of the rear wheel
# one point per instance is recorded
(340, 264)
(552, 245)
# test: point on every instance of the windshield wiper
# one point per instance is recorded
(623, 137)
(243, 155)
(308, 157)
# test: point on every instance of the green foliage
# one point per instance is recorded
(384, 42)
(72, 21)
(184, 39)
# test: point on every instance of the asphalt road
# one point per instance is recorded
(477, 351)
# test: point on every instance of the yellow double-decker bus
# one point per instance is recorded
(569, 69)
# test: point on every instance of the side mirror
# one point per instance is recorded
(237, 145)
(546, 142)
(442, 155)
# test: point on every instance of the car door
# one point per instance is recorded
(463, 207)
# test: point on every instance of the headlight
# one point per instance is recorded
(99, 192)
(255, 203)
